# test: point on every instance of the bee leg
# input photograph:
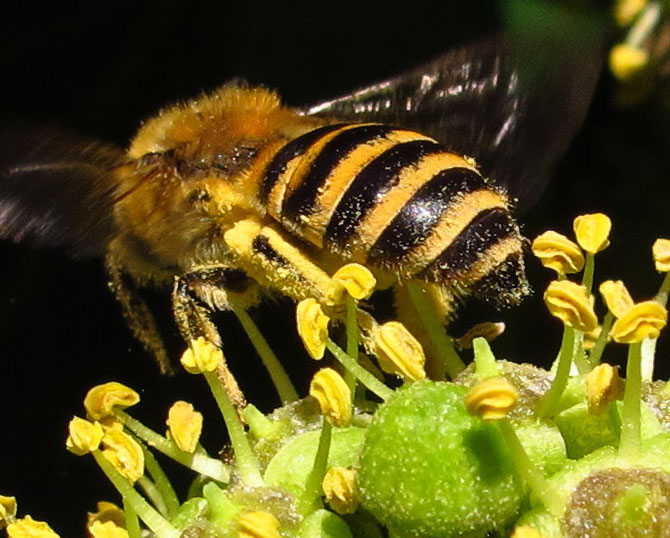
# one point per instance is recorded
(271, 259)
(196, 296)
(137, 313)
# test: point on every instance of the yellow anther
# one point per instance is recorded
(591, 337)
(625, 11)
(592, 232)
(616, 296)
(83, 436)
(106, 529)
(488, 330)
(258, 525)
(101, 400)
(312, 327)
(526, 531)
(603, 385)
(572, 304)
(627, 61)
(333, 395)
(27, 527)
(399, 352)
(356, 279)
(661, 252)
(7, 509)
(106, 511)
(491, 399)
(643, 320)
(185, 425)
(201, 356)
(557, 252)
(124, 453)
(339, 486)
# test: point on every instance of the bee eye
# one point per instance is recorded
(199, 195)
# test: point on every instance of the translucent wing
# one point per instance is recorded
(56, 189)
(512, 104)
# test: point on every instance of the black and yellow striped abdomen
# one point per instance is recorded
(393, 199)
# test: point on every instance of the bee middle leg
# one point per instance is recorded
(199, 293)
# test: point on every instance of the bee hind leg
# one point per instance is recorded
(137, 313)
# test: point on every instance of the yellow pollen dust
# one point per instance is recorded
(201, 356)
(83, 436)
(399, 352)
(572, 304)
(491, 399)
(603, 385)
(557, 252)
(101, 400)
(333, 395)
(592, 232)
(616, 297)
(339, 487)
(312, 327)
(643, 320)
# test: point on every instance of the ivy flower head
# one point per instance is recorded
(572, 304)
(557, 252)
(101, 400)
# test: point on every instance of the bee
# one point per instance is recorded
(232, 194)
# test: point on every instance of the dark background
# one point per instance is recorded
(100, 70)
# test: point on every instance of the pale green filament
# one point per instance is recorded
(548, 406)
(629, 443)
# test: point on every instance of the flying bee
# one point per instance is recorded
(232, 194)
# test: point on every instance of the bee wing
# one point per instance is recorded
(56, 189)
(512, 104)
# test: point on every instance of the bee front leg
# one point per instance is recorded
(200, 292)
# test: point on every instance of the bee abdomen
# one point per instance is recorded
(388, 197)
